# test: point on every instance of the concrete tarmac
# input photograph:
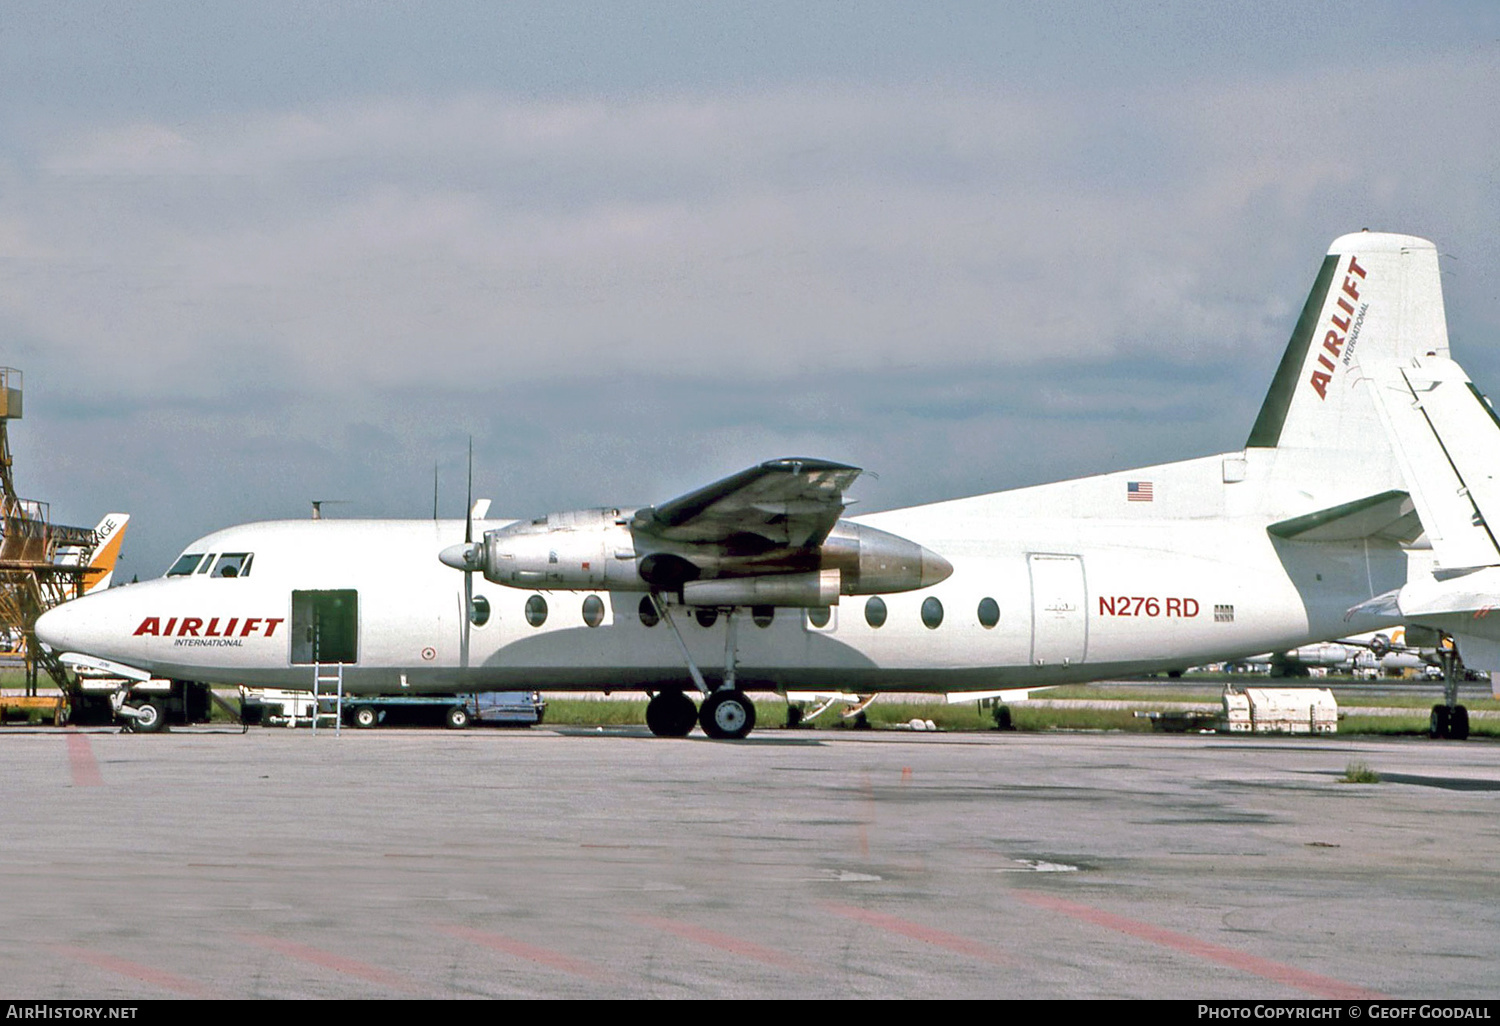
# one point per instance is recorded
(832, 864)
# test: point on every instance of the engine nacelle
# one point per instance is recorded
(806, 591)
(582, 550)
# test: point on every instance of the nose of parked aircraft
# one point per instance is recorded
(58, 628)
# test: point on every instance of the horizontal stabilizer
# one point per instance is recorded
(1390, 516)
(1445, 439)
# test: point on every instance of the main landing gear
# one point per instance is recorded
(727, 714)
(671, 714)
(1449, 720)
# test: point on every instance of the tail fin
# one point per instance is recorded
(1368, 378)
(101, 569)
(1377, 301)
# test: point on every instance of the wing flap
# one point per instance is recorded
(789, 502)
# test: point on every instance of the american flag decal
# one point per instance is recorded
(1138, 491)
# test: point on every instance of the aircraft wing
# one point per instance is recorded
(780, 503)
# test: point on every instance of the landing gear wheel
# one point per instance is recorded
(365, 717)
(1458, 723)
(151, 719)
(1438, 723)
(727, 715)
(456, 718)
(671, 714)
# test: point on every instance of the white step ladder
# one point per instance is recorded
(331, 674)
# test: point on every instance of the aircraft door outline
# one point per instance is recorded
(1059, 624)
(325, 627)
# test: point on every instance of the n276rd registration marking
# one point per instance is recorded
(1146, 605)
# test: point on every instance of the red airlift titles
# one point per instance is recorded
(1357, 504)
(1333, 342)
(187, 628)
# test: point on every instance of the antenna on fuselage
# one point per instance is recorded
(318, 504)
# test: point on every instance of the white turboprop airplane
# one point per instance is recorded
(1356, 504)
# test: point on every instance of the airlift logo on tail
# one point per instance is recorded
(1349, 324)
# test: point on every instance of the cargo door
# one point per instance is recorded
(1059, 632)
(325, 627)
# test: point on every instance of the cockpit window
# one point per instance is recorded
(208, 561)
(186, 564)
(233, 564)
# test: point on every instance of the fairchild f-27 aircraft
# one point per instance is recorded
(1361, 499)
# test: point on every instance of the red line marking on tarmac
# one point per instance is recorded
(520, 949)
(136, 971)
(723, 941)
(328, 960)
(916, 931)
(81, 760)
(1322, 986)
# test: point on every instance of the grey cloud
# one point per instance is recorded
(226, 313)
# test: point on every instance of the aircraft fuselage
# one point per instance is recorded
(1035, 597)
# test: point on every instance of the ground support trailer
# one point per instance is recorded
(274, 707)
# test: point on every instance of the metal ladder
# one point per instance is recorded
(328, 673)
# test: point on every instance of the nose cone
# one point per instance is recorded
(101, 625)
(63, 629)
(465, 556)
(935, 569)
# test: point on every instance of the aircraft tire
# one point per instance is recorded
(1438, 723)
(671, 714)
(727, 715)
(1458, 723)
(152, 719)
(364, 717)
(456, 718)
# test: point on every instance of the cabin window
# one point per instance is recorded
(875, 611)
(706, 616)
(932, 612)
(989, 612)
(762, 615)
(233, 564)
(186, 564)
(647, 612)
(819, 616)
(479, 611)
(593, 610)
(536, 610)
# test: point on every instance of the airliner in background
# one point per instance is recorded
(1359, 502)
(103, 556)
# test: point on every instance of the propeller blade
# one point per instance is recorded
(469, 554)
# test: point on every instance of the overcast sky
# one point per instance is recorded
(257, 254)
